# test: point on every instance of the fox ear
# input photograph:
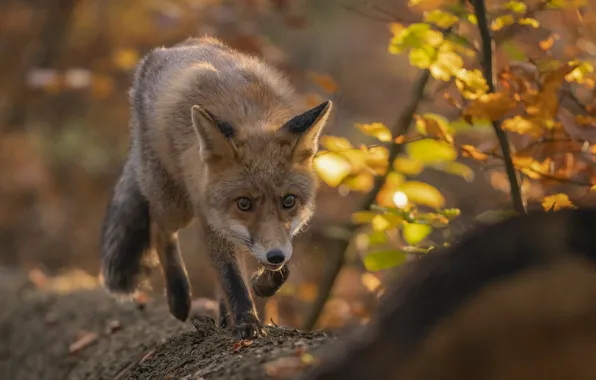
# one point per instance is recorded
(304, 131)
(214, 136)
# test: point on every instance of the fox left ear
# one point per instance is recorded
(305, 130)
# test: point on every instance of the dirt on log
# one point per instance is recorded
(87, 335)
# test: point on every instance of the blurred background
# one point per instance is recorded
(66, 67)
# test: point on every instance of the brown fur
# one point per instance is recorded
(209, 126)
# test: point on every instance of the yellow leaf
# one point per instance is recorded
(416, 35)
(522, 126)
(125, 59)
(407, 165)
(501, 22)
(378, 130)
(434, 125)
(447, 63)
(473, 152)
(414, 233)
(375, 158)
(472, 19)
(370, 282)
(529, 22)
(386, 222)
(363, 217)
(456, 168)
(556, 202)
(430, 151)
(516, 6)
(423, 194)
(441, 19)
(362, 182)
(492, 106)
(578, 74)
(336, 144)
(332, 168)
(471, 83)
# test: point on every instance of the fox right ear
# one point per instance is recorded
(214, 136)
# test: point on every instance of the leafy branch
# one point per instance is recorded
(488, 68)
(400, 127)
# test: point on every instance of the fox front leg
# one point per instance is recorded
(266, 283)
(242, 312)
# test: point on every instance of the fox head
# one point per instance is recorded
(259, 188)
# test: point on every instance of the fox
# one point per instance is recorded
(217, 137)
(425, 292)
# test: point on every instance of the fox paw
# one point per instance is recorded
(248, 327)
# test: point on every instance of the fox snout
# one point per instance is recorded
(273, 258)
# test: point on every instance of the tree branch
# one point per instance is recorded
(488, 68)
(400, 127)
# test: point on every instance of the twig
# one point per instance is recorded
(488, 68)
(400, 127)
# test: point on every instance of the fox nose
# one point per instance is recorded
(275, 256)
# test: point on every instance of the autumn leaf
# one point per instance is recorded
(580, 73)
(492, 106)
(501, 22)
(416, 35)
(522, 126)
(387, 192)
(362, 182)
(455, 168)
(423, 194)
(407, 165)
(429, 151)
(363, 217)
(332, 168)
(380, 260)
(336, 144)
(324, 81)
(471, 83)
(440, 18)
(386, 221)
(529, 22)
(414, 233)
(434, 125)
(473, 152)
(515, 6)
(446, 64)
(378, 130)
(556, 202)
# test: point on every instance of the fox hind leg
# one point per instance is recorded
(178, 291)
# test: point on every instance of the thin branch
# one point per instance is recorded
(488, 66)
(400, 127)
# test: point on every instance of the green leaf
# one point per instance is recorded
(376, 261)
(414, 233)
(431, 151)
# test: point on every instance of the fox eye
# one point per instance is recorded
(288, 201)
(244, 204)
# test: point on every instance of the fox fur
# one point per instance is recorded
(430, 290)
(217, 136)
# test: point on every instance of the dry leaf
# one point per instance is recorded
(86, 339)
